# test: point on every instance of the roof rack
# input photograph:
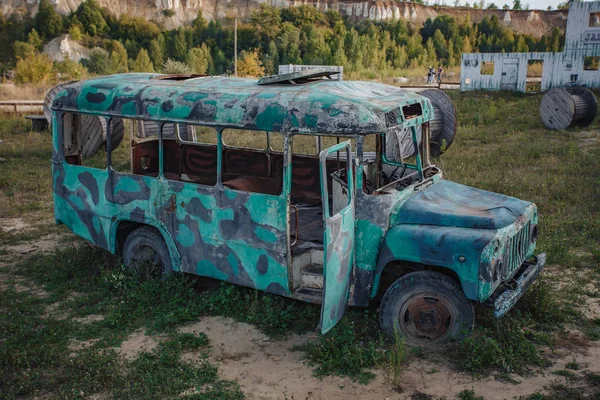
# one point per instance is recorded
(295, 78)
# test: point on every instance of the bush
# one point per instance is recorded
(98, 61)
(37, 69)
(68, 70)
(175, 67)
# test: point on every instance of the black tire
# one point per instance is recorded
(444, 311)
(145, 254)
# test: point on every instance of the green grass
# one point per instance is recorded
(469, 395)
(350, 349)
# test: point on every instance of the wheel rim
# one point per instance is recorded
(146, 261)
(427, 317)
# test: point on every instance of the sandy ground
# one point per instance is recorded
(268, 369)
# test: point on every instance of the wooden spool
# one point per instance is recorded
(563, 108)
(93, 128)
(444, 124)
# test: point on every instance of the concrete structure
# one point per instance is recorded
(577, 66)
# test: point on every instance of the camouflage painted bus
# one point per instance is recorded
(286, 185)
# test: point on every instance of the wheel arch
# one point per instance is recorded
(433, 248)
(123, 226)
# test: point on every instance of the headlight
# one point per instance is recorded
(533, 233)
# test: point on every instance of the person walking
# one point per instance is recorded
(430, 75)
(440, 72)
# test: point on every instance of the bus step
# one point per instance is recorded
(312, 277)
(310, 295)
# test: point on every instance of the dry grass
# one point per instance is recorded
(9, 91)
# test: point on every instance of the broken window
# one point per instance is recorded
(248, 163)
(487, 68)
(84, 140)
(594, 20)
(591, 63)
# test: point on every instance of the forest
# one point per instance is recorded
(272, 36)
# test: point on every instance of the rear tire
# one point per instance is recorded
(145, 254)
(426, 307)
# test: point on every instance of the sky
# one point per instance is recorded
(533, 4)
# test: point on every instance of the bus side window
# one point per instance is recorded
(197, 155)
(84, 140)
(249, 164)
(122, 133)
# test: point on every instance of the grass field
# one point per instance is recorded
(47, 351)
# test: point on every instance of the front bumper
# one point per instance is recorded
(509, 298)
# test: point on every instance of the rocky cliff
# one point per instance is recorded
(534, 22)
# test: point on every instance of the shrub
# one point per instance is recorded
(68, 69)
(98, 61)
(175, 67)
(36, 68)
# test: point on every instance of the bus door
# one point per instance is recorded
(338, 240)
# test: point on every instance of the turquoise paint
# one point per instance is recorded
(265, 234)
(185, 236)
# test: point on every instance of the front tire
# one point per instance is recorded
(145, 254)
(426, 307)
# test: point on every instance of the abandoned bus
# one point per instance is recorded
(288, 185)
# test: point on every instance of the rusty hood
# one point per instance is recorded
(446, 203)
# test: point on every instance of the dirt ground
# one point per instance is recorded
(270, 369)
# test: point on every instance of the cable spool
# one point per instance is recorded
(563, 108)
(93, 128)
(444, 124)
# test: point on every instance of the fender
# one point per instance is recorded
(173, 252)
(458, 249)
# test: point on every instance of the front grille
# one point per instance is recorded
(516, 250)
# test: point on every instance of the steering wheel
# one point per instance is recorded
(393, 176)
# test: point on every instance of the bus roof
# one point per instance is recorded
(318, 107)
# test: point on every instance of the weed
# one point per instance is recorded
(568, 375)
(393, 360)
(590, 328)
(504, 346)
(593, 379)
(469, 395)
(349, 349)
(274, 315)
(573, 365)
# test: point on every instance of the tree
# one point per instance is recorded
(175, 67)
(249, 64)
(522, 45)
(118, 58)
(75, 32)
(90, 15)
(36, 69)
(47, 21)
(68, 70)
(179, 48)
(142, 63)
(98, 61)
(24, 50)
(517, 5)
(158, 50)
(136, 29)
(266, 20)
(199, 25)
(198, 59)
(492, 6)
